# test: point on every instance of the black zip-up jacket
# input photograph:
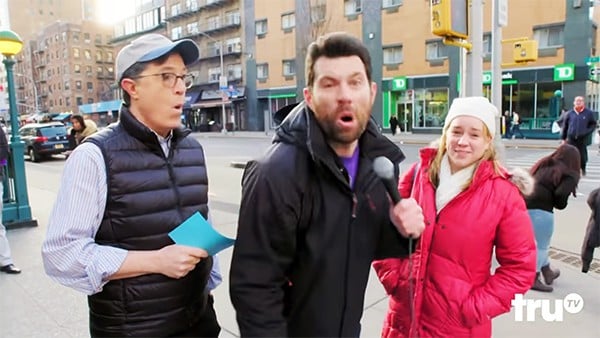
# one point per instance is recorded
(306, 240)
(578, 126)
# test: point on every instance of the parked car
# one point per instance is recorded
(44, 139)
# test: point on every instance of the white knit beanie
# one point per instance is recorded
(476, 106)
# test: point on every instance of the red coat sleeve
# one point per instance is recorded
(406, 181)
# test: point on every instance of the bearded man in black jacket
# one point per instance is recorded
(313, 214)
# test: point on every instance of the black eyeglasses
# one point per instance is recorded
(170, 79)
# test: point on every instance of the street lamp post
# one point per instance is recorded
(35, 93)
(222, 80)
(16, 212)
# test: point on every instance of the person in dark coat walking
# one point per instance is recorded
(592, 233)
(393, 124)
(313, 214)
(578, 126)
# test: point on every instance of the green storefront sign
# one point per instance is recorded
(399, 83)
(564, 72)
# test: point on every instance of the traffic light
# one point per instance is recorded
(449, 18)
(525, 51)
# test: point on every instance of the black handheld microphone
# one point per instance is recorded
(384, 168)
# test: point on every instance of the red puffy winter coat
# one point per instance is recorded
(454, 293)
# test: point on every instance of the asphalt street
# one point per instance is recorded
(35, 306)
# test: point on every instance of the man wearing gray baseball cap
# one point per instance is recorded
(123, 190)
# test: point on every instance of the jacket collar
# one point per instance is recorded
(144, 134)
(300, 127)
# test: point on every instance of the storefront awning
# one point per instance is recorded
(190, 98)
(209, 104)
(98, 107)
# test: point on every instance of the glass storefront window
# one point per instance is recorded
(547, 106)
(430, 107)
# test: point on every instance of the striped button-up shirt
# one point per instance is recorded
(69, 252)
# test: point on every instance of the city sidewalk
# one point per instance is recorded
(402, 138)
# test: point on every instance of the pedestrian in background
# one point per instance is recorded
(452, 290)
(578, 126)
(507, 122)
(591, 240)
(393, 124)
(556, 177)
(6, 262)
(516, 126)
(81, 128)
(123, 190)
(313, 213)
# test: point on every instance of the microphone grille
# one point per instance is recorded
(383, 167)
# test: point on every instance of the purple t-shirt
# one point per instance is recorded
(351, 164)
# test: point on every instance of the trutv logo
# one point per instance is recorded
(572, 303)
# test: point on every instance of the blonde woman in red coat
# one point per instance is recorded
(471, 207)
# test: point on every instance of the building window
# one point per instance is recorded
(75, 37)
(289, 67)
(352, 7)
(192, 28)
(232, 18)
(76, 53)
(109, 56)
(262, 71)
(86, 37)
(79, 100)
(88, 70)
(98, 55)
(88, 54)
(392, 55)
(261, 27)
(549, 37)
(67, 101)
(288, 21)
(487, 44)
(436, 50)
(67, 85)
(214, 22)
(233, 45)
(78, 85)
(176, 33)
(234, 72)
(90, 87)
(391, 3)
(213, 48)
(110, 70)
(90, 100)
(317, 12)
(99, 70)
(77, 69)
(192, 5)
(98, 39)
(175, 9)
(214, 74)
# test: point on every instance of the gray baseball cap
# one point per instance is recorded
(151, 47)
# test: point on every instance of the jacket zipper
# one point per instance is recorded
(346, 265)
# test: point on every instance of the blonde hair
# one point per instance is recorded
(490, 154)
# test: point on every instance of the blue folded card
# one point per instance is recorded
(197, 232)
